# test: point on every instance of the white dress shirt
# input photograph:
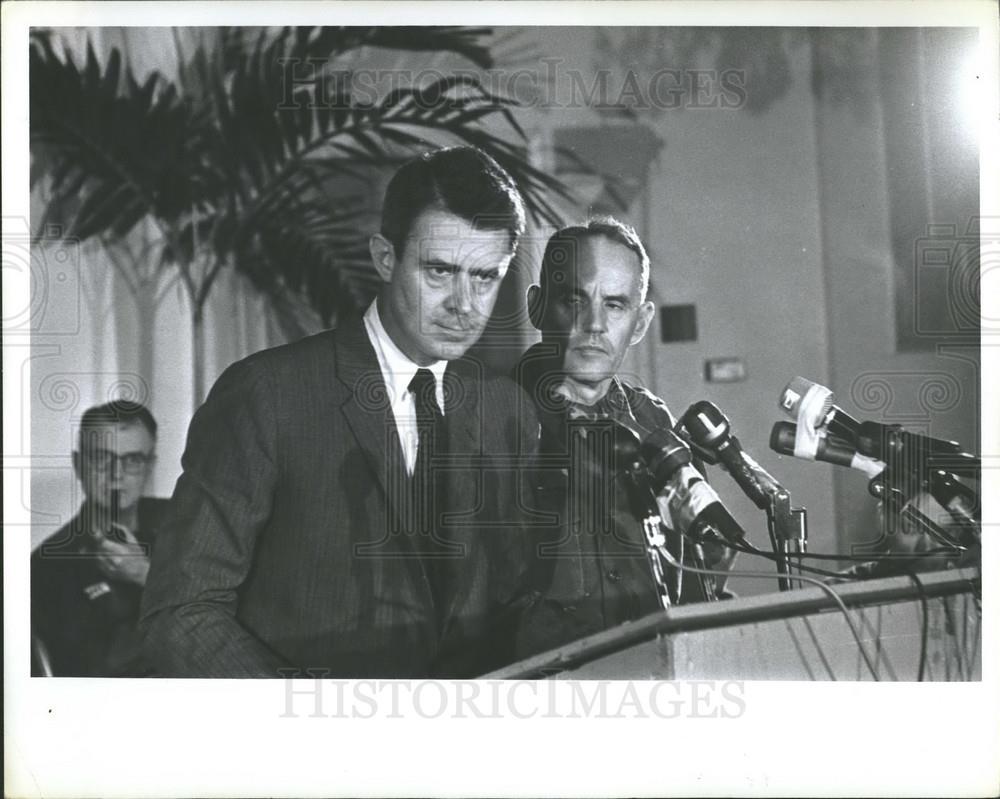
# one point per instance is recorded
(397, 371)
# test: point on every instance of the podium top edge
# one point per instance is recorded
(741, 610)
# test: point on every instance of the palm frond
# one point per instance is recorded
(114, 150)
(449, 110)
(239, 168)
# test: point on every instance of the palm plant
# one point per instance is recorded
(242, 162)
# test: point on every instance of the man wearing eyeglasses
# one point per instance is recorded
(87, 579)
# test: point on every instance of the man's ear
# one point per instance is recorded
(77, 465)
(383, 256)
(646, 312)
(535, 310)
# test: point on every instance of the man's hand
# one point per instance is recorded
(121, 557)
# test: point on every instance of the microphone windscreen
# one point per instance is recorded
(807, 402)
(706, 425)
(804, 400)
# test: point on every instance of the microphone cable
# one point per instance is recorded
(901, 556)
(914, 577)
(924, 624)
(766, 575)
(904, 572)
(749, 549)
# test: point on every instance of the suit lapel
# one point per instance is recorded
(462, 487)
(367, 408)
(464, 424)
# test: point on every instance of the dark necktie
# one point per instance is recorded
(425, 484)
(423, 387)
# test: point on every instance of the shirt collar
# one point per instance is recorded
(614, 402)
(397, 369)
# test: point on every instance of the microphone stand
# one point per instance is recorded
(786, 526)
(709, 431)
(706, 581)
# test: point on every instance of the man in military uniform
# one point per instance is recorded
(591, 567)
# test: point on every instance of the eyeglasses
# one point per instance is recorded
(103, 460)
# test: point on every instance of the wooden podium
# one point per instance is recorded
(792, 635)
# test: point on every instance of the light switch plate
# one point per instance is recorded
(725, 370)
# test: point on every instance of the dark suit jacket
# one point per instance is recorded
(286, 548)
(86, 621)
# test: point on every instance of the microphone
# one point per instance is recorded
(812, 404)
(915, 453)
(961, 502)
(708, 428)
(890, 442)
(829, 450)
(954, 496)
(695, 508)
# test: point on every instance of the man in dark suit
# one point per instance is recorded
(348, 505)
(87, 578)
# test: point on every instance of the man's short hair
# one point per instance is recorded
(119, 412)
(463, 181)
(562, 247)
